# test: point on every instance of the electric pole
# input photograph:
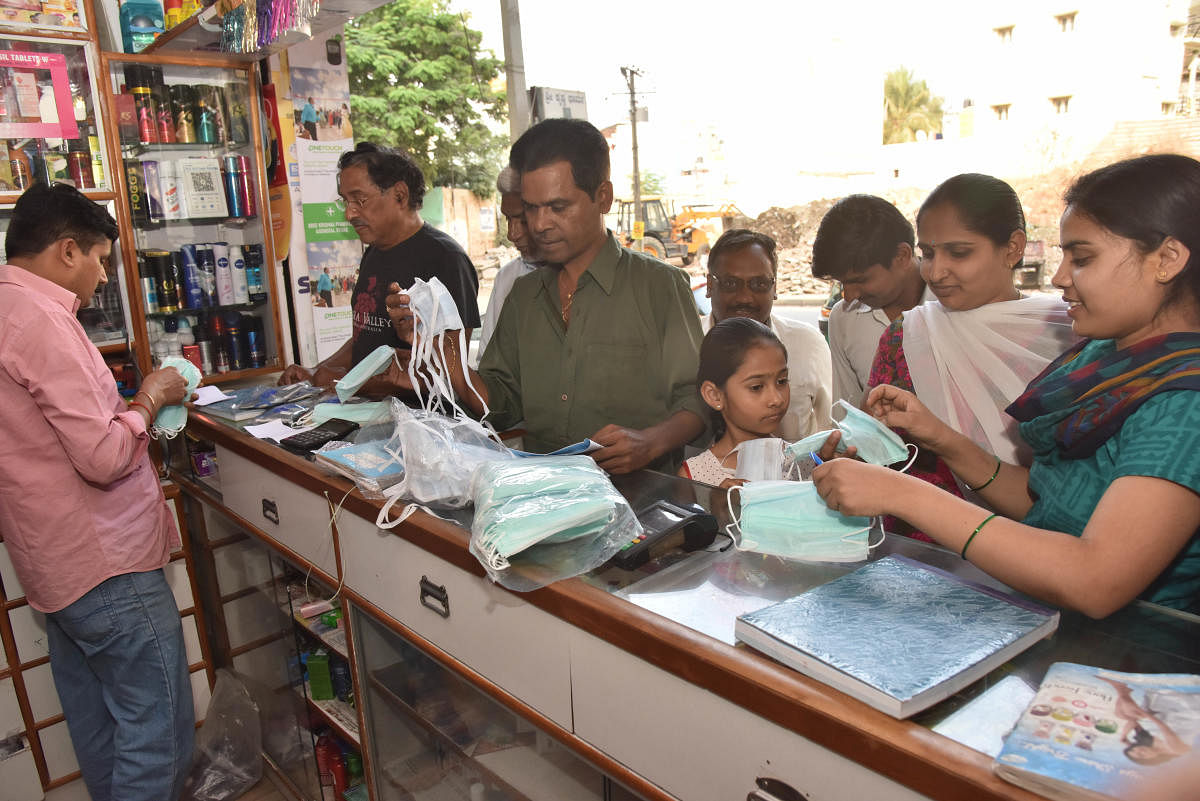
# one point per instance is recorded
(630, 74)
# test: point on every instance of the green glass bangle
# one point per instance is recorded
(978, 528)
(995, 473)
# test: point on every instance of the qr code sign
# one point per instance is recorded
(203, 182)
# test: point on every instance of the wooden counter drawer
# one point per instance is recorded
(696, 745)
(291, 515)
(492, 631)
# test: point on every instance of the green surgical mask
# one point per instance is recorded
(790, 520)
(372, 364)
(172, 419)
(876, 443)
(361, 413)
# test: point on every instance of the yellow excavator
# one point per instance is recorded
(685, 234)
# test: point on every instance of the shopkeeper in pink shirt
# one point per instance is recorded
(81, 511)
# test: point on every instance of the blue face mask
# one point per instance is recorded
(172, 419)
(789, 519)
(372, 364)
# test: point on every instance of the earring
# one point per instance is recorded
(719, 407)
(1161, 275)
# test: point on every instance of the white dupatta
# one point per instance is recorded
(967, 366)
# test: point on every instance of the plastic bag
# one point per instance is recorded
(545, 518)
(227, 760)
(440, 454)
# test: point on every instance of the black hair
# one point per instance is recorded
(722, 353)
(987, 206)
(386, 168)
(577, 142)
(1148, 199)
(857, 233)
(737, 238)
(44, 214)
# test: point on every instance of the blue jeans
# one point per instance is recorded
(119, 665)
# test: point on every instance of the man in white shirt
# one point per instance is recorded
(741, 283)
(509, 185)
(865, 243)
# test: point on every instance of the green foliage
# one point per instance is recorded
(909, 107)
(419, 83)
(652, 183)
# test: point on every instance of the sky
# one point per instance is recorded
(779, 83)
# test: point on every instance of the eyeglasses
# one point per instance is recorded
(729, 284)
(342, 203)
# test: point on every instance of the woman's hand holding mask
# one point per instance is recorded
(898, 408)
(858, 489)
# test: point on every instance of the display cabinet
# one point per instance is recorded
(190, 188)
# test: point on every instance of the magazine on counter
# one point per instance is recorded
(1099, 734)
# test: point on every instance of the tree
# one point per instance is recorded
(909, 107)
(419, 83)
(652, 183)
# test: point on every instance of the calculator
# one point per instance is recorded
(329, 431)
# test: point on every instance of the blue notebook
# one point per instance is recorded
(897, 634)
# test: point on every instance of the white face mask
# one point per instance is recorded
(759, 459)
(434, 313)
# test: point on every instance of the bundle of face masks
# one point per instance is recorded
(876, 443)
(544, 518)
(789, 519)
(172, 419)
(439, 454)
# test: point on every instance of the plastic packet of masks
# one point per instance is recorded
(541, 519)
(439, 453)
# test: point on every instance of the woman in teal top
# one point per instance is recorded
(1110, 509)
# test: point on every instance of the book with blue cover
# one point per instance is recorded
(897, 634)
(1099, 734)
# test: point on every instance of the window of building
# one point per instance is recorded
(1176, 29)
(1168, 109)
(1001, 111)
(1005, 33)
(1061, 104)
(1066, 22)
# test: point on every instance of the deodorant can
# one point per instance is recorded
(208, 273)
(233, 185)
(224, 273)
(192, 283)
(149, 284)
(237, 262)
(246, 187)
(168, 182)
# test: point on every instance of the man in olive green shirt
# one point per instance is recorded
(603, 345)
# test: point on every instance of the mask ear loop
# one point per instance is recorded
(882, 534)
(911, 459)
(734, 521)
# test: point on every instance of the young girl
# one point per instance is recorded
(743, 378)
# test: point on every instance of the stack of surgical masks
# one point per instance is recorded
(564, 505)
(789, 519)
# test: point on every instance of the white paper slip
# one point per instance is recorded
(209, 394)
(275, 430)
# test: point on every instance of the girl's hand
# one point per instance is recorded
(898, 408)
(828, 449)
(856, 488)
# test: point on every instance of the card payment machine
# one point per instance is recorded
(667, 525)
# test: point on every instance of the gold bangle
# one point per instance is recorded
(967, 544)
(995, 473)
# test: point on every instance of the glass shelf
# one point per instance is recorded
(152, 225)
(178, 148)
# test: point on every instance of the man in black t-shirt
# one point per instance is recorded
(382, 192)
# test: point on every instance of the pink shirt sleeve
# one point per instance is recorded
(79, 400)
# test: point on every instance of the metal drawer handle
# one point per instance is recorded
(270, 510)
(437, 593)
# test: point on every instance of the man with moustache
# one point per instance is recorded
(381, 191)
(741, 282)
(509, 185)
(600, 342)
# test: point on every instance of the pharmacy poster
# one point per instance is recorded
(331, 246)
(35, 96)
